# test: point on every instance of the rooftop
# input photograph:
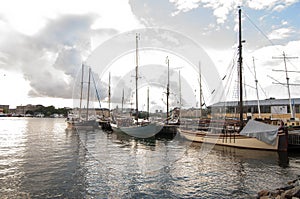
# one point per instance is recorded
(266, 102)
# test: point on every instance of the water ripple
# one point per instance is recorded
(39, 159)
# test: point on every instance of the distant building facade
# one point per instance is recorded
(22, 110)
(268, 108)
(4, 108)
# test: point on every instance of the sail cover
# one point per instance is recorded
(263, 132)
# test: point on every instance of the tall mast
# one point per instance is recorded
(256, 82)
(122, 99)
(88, 96)
(168, 89)
(136, 78)
(284, 57)
(148, 107)
(180, 97)
(288, 85)
(200, 91)
(240, 69)
(109, 93)
(81, 88)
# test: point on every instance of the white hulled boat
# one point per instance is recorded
(255, 135)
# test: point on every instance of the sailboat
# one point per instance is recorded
(254, 135)
(172, 120)
(76, 122)
(136, 127)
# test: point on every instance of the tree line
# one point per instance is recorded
(48, 111)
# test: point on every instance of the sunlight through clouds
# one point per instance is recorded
(45, 42)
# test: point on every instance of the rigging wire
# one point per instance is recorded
(228, 77)
(271, 42)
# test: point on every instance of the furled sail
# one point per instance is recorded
(263, 132)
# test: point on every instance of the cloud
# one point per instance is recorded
(266, 63)
(222, 8)
(29, 17)
(51, 50)
(221, 14)
(278, 8)
(184, 6)
(51, 57)
(280, 33)
(275, 5)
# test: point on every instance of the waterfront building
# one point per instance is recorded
(4, 108)
(23, 110)
(269, 108)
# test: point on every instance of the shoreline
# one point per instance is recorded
(292, 190)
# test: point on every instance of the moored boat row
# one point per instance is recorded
(253, 135)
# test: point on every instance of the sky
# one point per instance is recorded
(43, 45)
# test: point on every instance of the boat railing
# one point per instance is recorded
(294, 138)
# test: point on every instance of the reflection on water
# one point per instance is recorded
(39, 159)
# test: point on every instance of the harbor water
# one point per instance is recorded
(39, 158)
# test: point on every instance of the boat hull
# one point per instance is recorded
(233, 140)
(145, 131)
(82, 125)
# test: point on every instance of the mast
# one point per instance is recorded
(148, 107)
(240, 61)
(88, 96)
(81, 88)
(284, 57)
(109, 93)
(136, 78)
(168, 89)
(122, 99)
(97, 93)
(180, 97)
(200, 90)
(288, 85)
(256, 82)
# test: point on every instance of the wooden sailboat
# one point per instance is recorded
(76, 121)
(255, 135)
(136, 127)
